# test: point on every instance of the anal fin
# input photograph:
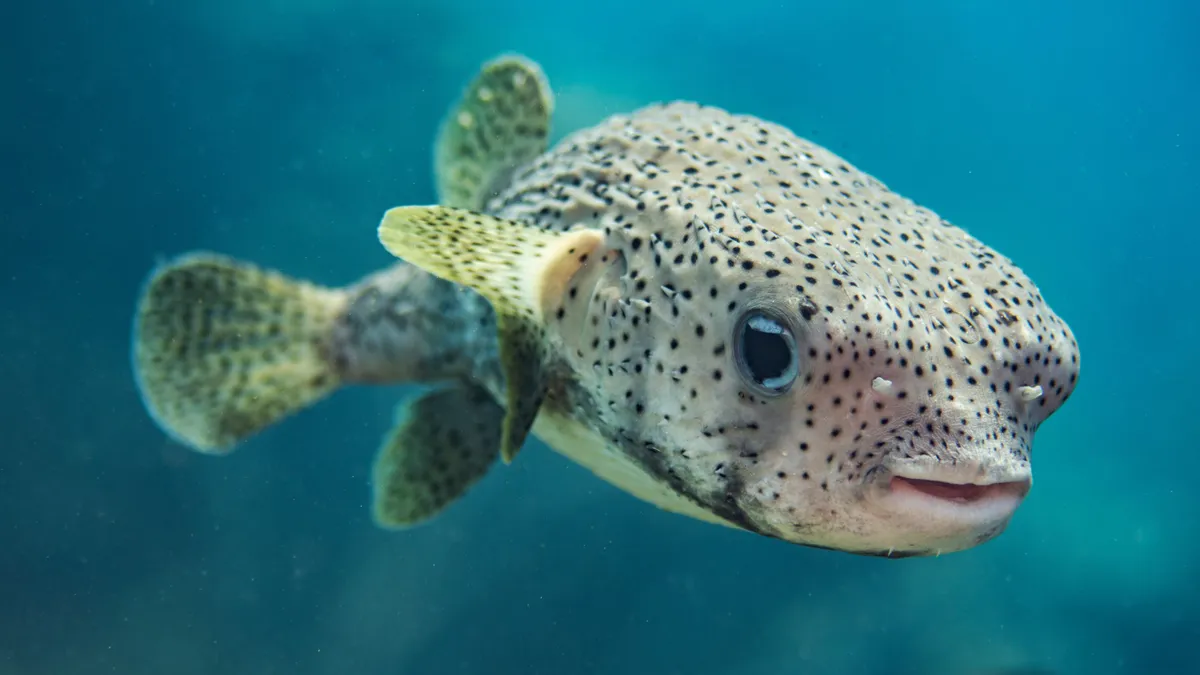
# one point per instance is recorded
(444, 442)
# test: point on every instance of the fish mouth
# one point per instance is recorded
(961, 493)
(934, 510)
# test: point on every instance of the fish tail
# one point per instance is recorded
(223, 349)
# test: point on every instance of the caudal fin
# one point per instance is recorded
(223, 349)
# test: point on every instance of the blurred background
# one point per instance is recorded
(1064, 134)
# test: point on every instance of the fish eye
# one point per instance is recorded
(766, 353)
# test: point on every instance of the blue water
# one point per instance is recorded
(1063, 134)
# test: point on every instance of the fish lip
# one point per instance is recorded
(962, 493)
(966, 473)
(947, 502)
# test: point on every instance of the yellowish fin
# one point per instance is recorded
(522, 270)
(501, 122)
(444, 442)
(222, 349)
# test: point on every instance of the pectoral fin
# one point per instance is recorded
(523, 271)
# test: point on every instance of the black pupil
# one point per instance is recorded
(767, 355)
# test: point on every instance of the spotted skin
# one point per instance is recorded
(713, 215)
(756, 333)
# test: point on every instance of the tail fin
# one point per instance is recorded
(223, 349)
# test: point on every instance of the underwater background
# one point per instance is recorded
(1064, 134)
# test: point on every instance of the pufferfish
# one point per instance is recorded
(714, 315)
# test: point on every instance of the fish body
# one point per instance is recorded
(709, 312)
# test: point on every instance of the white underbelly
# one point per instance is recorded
(585, 447)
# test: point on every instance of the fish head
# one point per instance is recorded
(789, 345)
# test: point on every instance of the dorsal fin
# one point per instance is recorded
(501, 122)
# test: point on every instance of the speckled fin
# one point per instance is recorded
(222, 349)
(501, 122)
(443, 443)
(522, 270)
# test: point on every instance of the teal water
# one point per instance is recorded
(1063, 134)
